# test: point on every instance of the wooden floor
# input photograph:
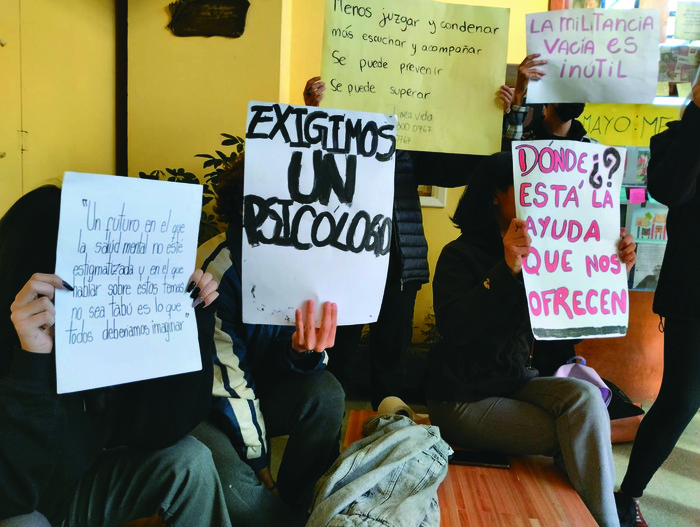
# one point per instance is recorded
(531, 493)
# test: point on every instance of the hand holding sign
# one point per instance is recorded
(313, 92)
(516, 245)
(203, 288)
(568, 194)
(596, 55)
(527, 70)
(33, 313)
(308, 337)
(627, 249)
(126, 248)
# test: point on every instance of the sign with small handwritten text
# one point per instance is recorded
(437, 66)
(317, 211)
(568, 193)
(127, 246)
(595, 55)
(687, 21)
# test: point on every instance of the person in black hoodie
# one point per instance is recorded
(483, 393)
(673, 178)
(98, 457)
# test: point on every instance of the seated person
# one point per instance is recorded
(557, 121)
(482, 391)
(98, 457)
(269, 381)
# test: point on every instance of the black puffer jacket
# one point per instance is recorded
(409, 243)
(421, 168)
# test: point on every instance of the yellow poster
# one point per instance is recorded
(436, 66)
(627, 124)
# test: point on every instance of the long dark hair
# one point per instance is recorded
(28, 238)
(229, 201)
(476, 213)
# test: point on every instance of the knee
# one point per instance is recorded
(586, 397)
(190, 462)
(327, 398)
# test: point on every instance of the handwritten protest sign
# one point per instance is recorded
(568, 193)
(437, 66)
(687, 21)
(319, 189)
(626, 124)
(128, 248)
(595, 55)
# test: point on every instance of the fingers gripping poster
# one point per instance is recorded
(127, 246)
(568, 194)
(437, 66)
(595, 55)
(317, 211)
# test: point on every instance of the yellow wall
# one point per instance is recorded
(185, 91)
(58, 73)
(10, 106)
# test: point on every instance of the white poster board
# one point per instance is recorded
(319, 191)
(595, 55)
(128, 247)
(568, 193)
(687, 21)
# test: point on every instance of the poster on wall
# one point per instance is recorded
(317, 213)
(568, 193)
(595, 55)
(687, 21)
(647, 222)
(127, 246)
(626, 124)
(419, 59)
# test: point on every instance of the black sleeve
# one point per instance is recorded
(467, 305)
(674, 167)
(444, 170)
(31, 423)
(158, 412)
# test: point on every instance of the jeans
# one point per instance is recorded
(546, 416)
(179, 483)
(390, 477)
(309, 409)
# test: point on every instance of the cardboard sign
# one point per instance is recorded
(568, 193)
(127, 246)
(437, 66)
(595, 55)
(317, 214)
(627, 124)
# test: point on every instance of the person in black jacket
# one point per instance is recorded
(390, 336)
(673, 178)
(98, 457)
(483, 392)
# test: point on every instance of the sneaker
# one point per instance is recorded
(639, 520)
(628, 511)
